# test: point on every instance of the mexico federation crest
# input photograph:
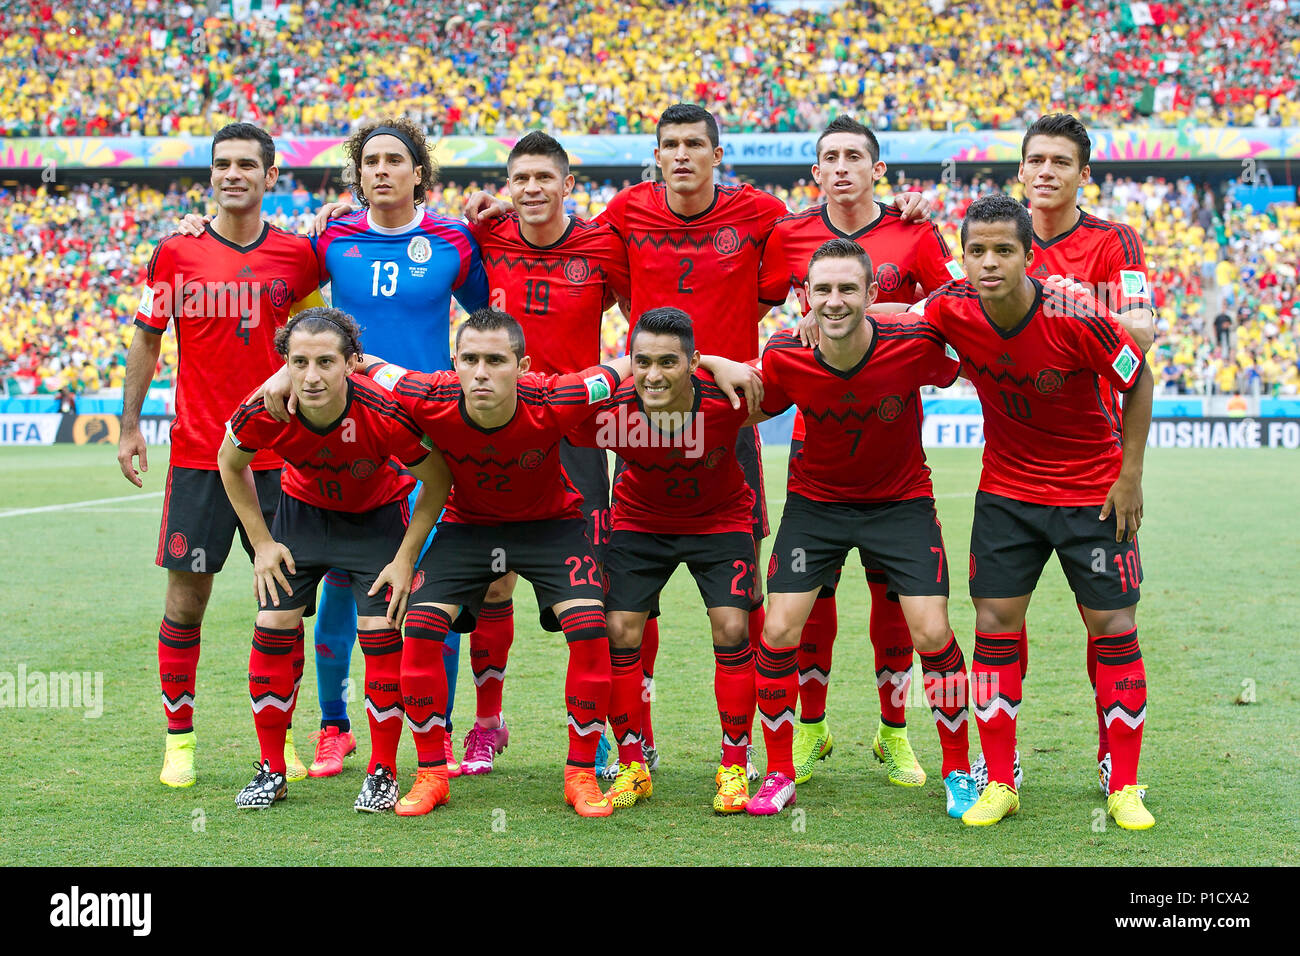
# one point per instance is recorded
(888, 278)
(419, 250)
(1049, 381)
(279, 294)
(726, 241)
(891, 406)
(362, 469)
(531, 459)
(177, 546)
(576, 269)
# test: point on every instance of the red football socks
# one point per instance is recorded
(1122, 697)
(733, 685)
(178, 660)
(586, 683)
(424, 682)
(943, 675)
(996, 698)
(816, 646)
(383, 652)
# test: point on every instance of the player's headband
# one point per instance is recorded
(397, 134)
(320, 315)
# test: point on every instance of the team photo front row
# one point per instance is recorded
(485, 445)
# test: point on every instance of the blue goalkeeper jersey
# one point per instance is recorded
(398, 283)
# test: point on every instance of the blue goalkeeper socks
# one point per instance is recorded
(336, 629)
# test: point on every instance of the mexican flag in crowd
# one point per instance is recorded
(1134, 15)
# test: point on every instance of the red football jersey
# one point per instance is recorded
(707, 265)
(1053, 431)
(227, 301)
(863, 425)
(511, 473)
(353, 465)
(557, 292)
(688, 482)
(1107, 256)
(911, 259)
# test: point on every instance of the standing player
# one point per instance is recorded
(681, 498)
(861, 482)
(1062, 472)
(511, 509)
(227, 290)
(1106, 258)
(911, 260)
(344, 505)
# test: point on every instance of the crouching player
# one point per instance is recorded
(343, 505)
(1062, 473)
(681, 498)
(512, 509)
(859, 481)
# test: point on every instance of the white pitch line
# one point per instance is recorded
(77, 504)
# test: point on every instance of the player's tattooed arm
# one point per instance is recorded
(141, 360)
(480, 207)
(268, 554)
(738, 380)
(1125, 496)
(397, 574)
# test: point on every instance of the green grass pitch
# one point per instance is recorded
(1217, 625)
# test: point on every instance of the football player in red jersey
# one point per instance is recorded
(679, 498)
(1106, 260)
(911, 260)
(343, 506)
(227, 291)
(861, 482)
(511, 509)
(1062, 473)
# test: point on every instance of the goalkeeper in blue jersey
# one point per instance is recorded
(394, 266)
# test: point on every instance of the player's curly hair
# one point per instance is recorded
(423, 157)
(322, 319)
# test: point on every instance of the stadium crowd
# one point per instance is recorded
(1223, 278)
(147, 67)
